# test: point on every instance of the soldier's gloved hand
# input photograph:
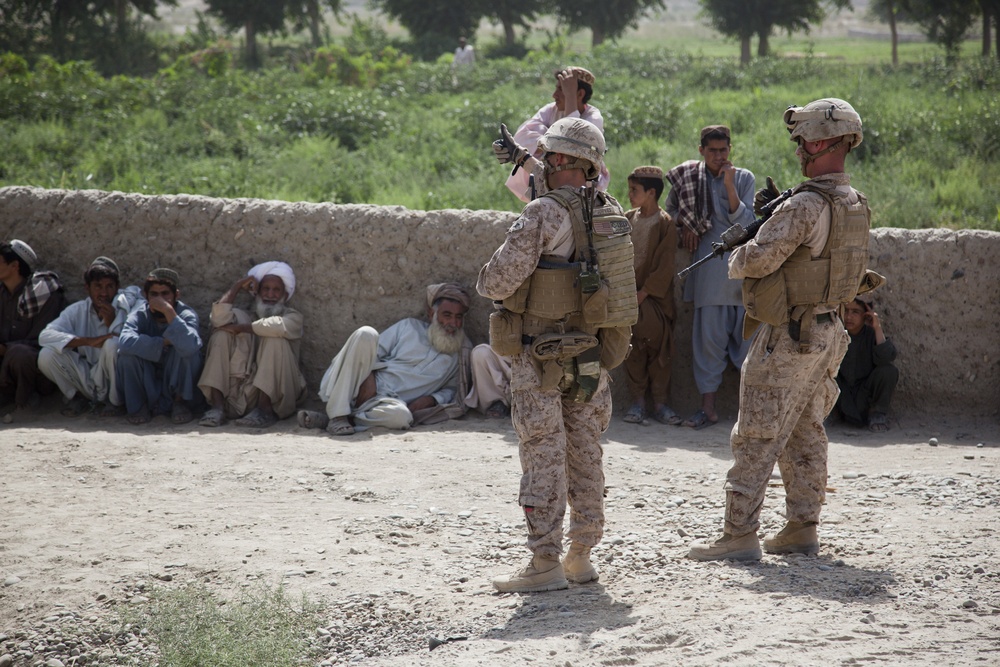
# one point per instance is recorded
(507, 151)
(765, 196)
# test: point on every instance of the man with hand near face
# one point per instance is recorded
(867, 377)
(706, 198)
(252, 363)
(159, 353)
(80, 347)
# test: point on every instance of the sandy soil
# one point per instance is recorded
(398, 534)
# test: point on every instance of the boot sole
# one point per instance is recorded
(584, 578)
(539, 588)
(748, 554)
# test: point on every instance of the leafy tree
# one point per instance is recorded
(891, 12)
(990, 10)
(254, 16)
(944, 21)
(743, 19)
(607, 19)
(513, 13)
(309, 13)
(106, 31)
(434, 25)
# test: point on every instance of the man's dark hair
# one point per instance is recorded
(149, 283)
(99, 272)
(648, 183)
(714, 135)
(588, 90)
(8, 254)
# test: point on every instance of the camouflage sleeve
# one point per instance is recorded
(517, 258)
(777, 239)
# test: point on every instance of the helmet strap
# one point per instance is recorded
(809, 157)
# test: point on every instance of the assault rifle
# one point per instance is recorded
(737, 235)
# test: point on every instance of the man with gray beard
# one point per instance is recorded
(414, 372)
(252, 364)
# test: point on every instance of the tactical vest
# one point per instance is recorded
(802, 283)
(596, 289)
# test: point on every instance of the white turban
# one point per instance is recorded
(279, 269)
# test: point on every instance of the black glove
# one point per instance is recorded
(507, 151)
(765, 196)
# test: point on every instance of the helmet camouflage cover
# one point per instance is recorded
(578, 138)
(824, 119)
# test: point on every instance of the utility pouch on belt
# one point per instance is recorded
(505, 332)
(766, 299)
(562, 346)
(616, 343)
(518, 301)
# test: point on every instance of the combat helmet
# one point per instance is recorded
(824, 119)
(579, 138)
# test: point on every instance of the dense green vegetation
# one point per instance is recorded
(412, 134)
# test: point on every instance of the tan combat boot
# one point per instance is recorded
(542, 574)
(794, 538)
(727, 546)
(577, 566)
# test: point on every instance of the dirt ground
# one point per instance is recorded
(398, 535)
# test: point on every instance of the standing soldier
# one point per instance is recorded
(566, 280)
(806, 261)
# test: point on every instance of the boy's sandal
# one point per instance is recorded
(213, 417)
(340, 426)
(497, 410)
(257, 419)
(312, 419)
(667, 416)
(878, 422)
(698, 421)
(635, 415)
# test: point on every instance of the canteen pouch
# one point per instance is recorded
(505, 333)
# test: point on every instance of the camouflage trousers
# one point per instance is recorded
(561, 454)
(785, 395)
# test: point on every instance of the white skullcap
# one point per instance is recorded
(279, 269)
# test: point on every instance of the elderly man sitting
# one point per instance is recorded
(80, 347)
(414, 372)
(252, 365)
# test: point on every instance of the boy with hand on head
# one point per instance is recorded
(654, 240)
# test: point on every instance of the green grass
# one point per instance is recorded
(193, 627)
(421, 139)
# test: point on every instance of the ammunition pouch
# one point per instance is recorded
(562, 346)
(506, 328)
(616, 343)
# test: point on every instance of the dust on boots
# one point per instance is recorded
(794, 538)
(541, 574)
(746, 547)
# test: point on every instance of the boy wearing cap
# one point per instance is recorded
(654, 241)
(80, 347)
(706, 198)
(28, 302)
(574, 88)
(159, 353)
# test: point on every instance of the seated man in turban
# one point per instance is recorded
(413, 372)
(80, 347)
(252, 363)
(159, 353)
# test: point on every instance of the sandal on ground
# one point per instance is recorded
(109, 410)
(698, 421)
(340, 426)
(312, 419)
(497, 410)
(635, 415)
(141, 416)
(213, 417)
(665, 415)
(180, 413)
(75, 407)
(257, 419)
(878, 422)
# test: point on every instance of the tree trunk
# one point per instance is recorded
(508, 31)
(763, 46)
(744, 50)
(598, 35)
(891, 11)
(987, 20)
(251, 31)
(312, 7)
